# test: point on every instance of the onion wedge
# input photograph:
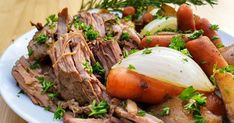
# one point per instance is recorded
(163, 72)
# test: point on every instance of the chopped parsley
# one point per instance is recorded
(148, 33)
(148, 39)
(41, 39)
(35, 65)
(131, 67)
(165, 111)
(59, 112)
(196, 34)
(141, 113)
(212, 77)
(88, 67)
(128, 18)
(229, 69)
(185, 60)
(108, 37)
(214, 38)
(219, 45)
(46, 85)
(47, 108)
(20, 92)
(147, 51)
(214, 27)
(97, 68)
(51, 21)
(195, 101)
(89, 32)
(100, 109)
(52, 95)
(177, 43)
(186, 52)
(125, 36)
(30, 52)
(126, 53)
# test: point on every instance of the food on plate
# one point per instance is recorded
(129, 62)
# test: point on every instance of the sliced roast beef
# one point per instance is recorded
(228, 54)
(27, 79)
(63, 20)
(178, 114)
(107, 52)
(71, 57)
(94, 20)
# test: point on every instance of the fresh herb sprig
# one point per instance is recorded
(59, 112)
(195, 101)
(100, 109)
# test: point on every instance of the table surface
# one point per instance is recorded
(15, 16)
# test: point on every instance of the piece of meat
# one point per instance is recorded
(27, 80)
(39, 26)
(179, 115)
(147, 118)
(94, 20)
(228, 54)
(68, 55)
(63, 20)
(68, 118)
(107, 52)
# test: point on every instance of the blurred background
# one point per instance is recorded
(15, 16)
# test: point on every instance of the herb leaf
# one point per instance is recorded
(35, 65)
(187, 93)
(41, 39)
(214, 27)
(97, 68)
(30, 52)
(88, 67)
(125, 36)
(46, 85)
(51, 21)
(196, 34)
(165, 111)
(100, 109)
(147, 51)
(58, 114)
(177, 43)
(141, 113)
(131, 67)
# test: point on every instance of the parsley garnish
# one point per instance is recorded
(88, 67)
(97, 68)
(51, 20)
(35, 65)
(196, 34)
(220, 45)
(46, 85)
(30, 51)
(185, 60)
(100, 109)
(20, 92)
(186, 52)
(148, 39)
(58, 114)
(214, 38)
(229, 69)
(214, 27)
(165, 111)
(177, 43)
(125, 36)
(108, 37)
(41, 39)
(212, 78)
(91, 34)
(131, 67)
(52, 95)
(47, 108)
(141, 113)
(128, 18)
(147, 51)
(126, 53)
(195, 101)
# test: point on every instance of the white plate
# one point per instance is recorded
(22, 105)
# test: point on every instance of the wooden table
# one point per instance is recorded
(16, 14)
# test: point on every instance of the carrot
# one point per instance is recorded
(125, 84)
(205, 25)
(185, 18)
(147, 17)
(129, 11)
(205, 54)
(157, 40)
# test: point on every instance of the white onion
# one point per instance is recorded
(159, 24)
(170, 66)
